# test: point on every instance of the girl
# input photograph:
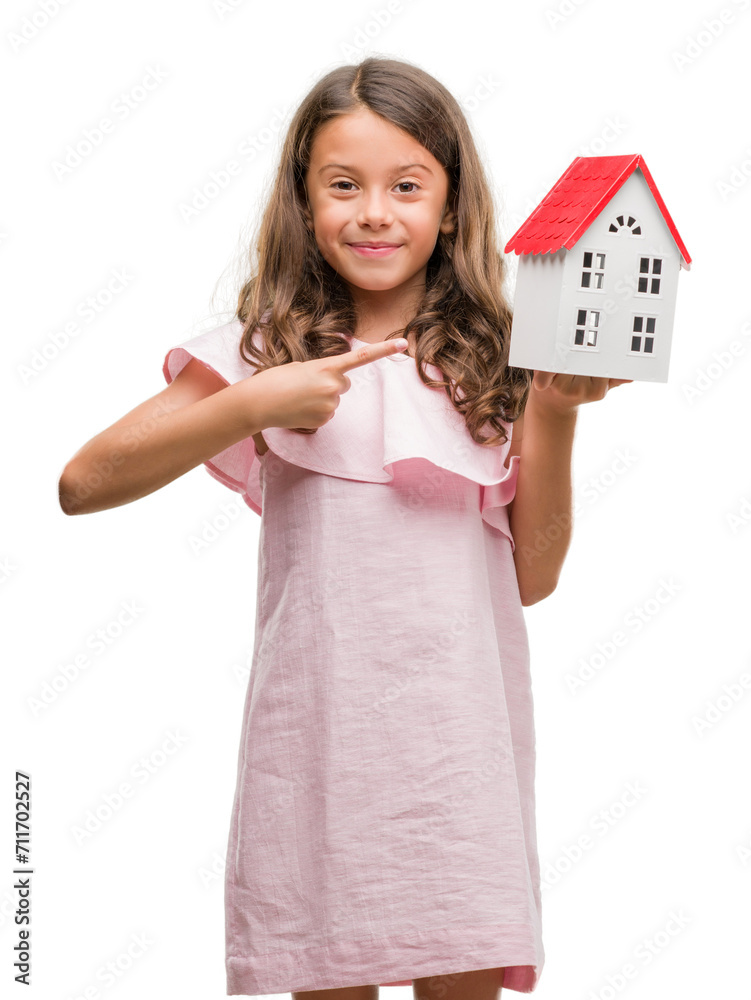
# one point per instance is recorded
(383, 825)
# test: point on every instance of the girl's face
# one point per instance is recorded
(370, 182)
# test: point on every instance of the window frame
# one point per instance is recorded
(643, 334)
(592, 270)
(649, 295)
(587, 348)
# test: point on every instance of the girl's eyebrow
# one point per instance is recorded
(397, 170)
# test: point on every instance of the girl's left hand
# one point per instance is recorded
(564, 393)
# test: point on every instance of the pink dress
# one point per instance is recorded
(383, 826)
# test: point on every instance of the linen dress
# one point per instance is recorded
(383, 824)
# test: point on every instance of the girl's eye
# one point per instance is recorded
(401, 184)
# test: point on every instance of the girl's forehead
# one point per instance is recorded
(365, 139)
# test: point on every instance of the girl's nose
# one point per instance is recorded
(374, 209)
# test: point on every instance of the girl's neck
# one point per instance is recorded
(377, 317)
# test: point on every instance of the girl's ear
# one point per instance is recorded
(449, 220)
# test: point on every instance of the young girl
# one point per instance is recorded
(383, 826)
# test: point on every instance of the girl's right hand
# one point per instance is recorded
(305, 394)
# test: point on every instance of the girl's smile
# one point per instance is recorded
(364, 250)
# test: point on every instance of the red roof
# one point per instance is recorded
(575, 201)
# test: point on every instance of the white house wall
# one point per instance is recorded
(536, 309)
(618, 301)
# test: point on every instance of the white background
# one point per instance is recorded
(541, 83)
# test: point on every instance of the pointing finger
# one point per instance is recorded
(363, 354)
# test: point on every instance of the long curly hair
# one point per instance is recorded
(463, 323)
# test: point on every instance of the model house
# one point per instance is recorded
(598, 274)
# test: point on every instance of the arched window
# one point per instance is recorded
(629, 222)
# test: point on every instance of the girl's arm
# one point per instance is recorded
(541, 513)
(198, 416)
(194, 418)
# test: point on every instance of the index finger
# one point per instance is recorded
(363, 354)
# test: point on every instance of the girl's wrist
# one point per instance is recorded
(248, 405)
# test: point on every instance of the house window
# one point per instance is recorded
(587, 325)
(593, 269)
(634, 229)
(642, 337)
(650, 272)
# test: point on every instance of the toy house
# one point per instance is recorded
(598, 274)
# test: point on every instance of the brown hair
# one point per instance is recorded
(463, 324)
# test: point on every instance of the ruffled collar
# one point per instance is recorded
(389, 414)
